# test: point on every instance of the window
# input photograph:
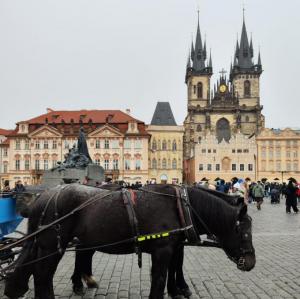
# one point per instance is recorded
(195, 89)
(115, 164)
(66, 144)
(199, 128)
(127, 144)
(203, 151)
(214, 151)
(106, 144)
(154, 145)
(263, 154)
(271, 154)
(138, 144)
(174, 164)
(209, 168)
(164, 163)
(217, 167)
(54, 144)
(288, 154)
(37, 144)
(54, 163)
(278, 166)
(37, 164)
(17, 164)
(97, 161)
(45, 164)
(5, 152)
(5, 168)
(27, 144)
(27, 164)
(247, 88)
(233, 151)
(250, 167)
(209, 151)
(127, 164)
(295, 154)
(278, 153)
(45, 144)
(154, 163)
(18, 144)
(233, 167)
(288, 143)
(201, 168)
(247, 118)
(199, 90)
(164, 145)
(115, 143)
(295, 166)
(246, 151)
(97, 143)
(288, 166)
(239, 151)
(242, 167)
(106, 164)
(138, 164)
(174, 145)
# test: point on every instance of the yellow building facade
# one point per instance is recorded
(166, 146)
(278, 154)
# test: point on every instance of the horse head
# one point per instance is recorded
(238, 245)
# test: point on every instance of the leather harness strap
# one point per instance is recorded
(129, 200)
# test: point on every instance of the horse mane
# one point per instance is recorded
(220, 216)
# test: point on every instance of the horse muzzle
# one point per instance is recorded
(246, 263)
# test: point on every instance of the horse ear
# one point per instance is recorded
(242, 211)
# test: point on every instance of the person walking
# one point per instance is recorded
(291, 197)
(258, 193)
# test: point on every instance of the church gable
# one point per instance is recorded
(106, 131)
(45, 132)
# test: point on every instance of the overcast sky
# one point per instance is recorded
(118, 54)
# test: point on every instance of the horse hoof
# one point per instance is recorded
(90, 282)
(186, 292)
(78, 290)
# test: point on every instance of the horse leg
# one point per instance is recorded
(43, 274)
(180, 281)
(83, 269)
(16, 284)
(161, 258)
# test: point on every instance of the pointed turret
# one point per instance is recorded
(210, 61)
(192, 51)
(251, 48)
(259, 60)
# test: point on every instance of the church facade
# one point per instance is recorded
(222, 120)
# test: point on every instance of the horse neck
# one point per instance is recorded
(218, 216)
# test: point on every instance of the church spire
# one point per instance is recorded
(259, 59)
(200, 51)
(210, 60)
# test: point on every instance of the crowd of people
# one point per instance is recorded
(252, 192)
(255, 192)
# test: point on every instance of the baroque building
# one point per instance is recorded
(278, 154)
(166, 146)
(115, 139)
(229, 112)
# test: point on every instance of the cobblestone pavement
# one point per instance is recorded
(210, 274)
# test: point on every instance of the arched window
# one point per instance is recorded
(199, 90)
(174, 164)
(164, 163)
(247, 118)
(174, 145)
(164, 145)
(247, 88)
(158, 145)
(223, 130)
(154, 145)
(154, 163)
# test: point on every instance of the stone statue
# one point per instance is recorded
(207, 121)
(238, 120)
(77, 157)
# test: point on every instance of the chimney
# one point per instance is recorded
(49, 110)
(128, 111)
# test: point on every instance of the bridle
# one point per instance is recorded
(244, 238)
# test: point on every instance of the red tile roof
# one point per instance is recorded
(96, 116)
(5, 132)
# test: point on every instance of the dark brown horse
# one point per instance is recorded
(176, 284)
(106, 221)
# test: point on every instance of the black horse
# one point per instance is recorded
(106, 221)
(176, 283)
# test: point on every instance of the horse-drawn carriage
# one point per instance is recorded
(9, 221)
